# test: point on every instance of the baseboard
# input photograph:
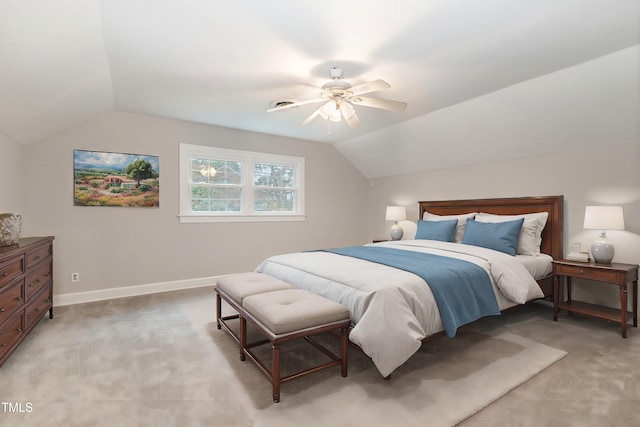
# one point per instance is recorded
(130, 291)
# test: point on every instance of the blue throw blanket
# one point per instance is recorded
(462, 289)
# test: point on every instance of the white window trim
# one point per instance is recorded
(187, 151)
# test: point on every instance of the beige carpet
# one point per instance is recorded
(160, 361)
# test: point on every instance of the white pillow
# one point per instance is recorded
(462, 222)
(409, 229)
(530, 237)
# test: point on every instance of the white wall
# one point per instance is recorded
(119, 246)
(11, 194)
(598, 176)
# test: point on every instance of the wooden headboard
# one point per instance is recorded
(551, 235)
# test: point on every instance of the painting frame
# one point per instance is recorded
(105, 178)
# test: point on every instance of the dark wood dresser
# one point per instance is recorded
(26, 290)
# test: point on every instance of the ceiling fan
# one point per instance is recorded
(339, 97)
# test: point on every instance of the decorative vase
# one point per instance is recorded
(10, 225)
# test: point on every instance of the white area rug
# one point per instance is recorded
(457, 380)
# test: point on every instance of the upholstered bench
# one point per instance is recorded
(239, 286)
(282, 315)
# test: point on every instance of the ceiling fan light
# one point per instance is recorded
(330, 111)
(347, 110)
(330, 107)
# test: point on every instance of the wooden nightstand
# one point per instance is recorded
(614, 274)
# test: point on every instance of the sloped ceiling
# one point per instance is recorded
(223, 62)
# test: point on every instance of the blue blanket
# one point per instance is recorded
(462, 289)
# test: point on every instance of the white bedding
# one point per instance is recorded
(538, 266)
(393, 310)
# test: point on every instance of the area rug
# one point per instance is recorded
(446, 382)
(159, 360)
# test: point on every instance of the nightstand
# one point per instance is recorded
(615, 274)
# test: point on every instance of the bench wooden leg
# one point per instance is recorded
(243, 337)
(275, 373)
(218, 309)
(345, 348)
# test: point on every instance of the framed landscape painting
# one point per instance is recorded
(115, 179)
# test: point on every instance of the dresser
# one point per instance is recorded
(26, 290)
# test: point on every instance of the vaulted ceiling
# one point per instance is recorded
(224, 62)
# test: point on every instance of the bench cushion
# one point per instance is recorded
(239, 286)
(293, 309)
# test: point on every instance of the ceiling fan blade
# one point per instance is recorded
(384, 104)
(369, 87)
(353, 121)
(312, 116)
(295, 104)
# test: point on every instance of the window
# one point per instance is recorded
(220, 184)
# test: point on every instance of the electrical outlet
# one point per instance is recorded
(75, 277)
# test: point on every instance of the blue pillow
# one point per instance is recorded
(500, 236)
(437, 230)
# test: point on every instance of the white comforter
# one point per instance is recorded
(393, 310)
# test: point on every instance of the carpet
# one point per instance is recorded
(159, 360)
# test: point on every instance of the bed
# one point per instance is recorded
(393, 289)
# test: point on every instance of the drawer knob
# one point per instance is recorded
(47, 275)
(5, 274)
(36, 257)
(31, 285)
(3, 345)
(1, 310)
(30, 316)
(48, 300)
(19, 330)
(581, 271)
(19, 299)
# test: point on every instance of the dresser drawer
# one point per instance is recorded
(37, 308)
(37, 279)
(11, 269)
(38, 255)
(11, 298)
(587, 273)
(26, 290)
(11, 332)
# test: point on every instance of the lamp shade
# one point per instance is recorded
(396, 213)
(604, 218)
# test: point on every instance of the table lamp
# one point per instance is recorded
(396, 213)
(603, 218)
